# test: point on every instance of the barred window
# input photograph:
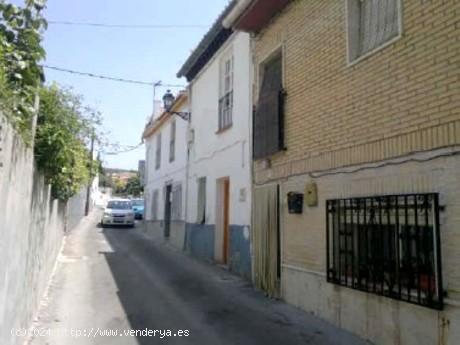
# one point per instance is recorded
(226, 93)
(387, 245)
(158, 152)
(177, 202)
(371, 24)
(172, 142)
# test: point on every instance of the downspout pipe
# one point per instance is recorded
(236, 13)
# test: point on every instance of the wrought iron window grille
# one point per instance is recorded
(387, 245)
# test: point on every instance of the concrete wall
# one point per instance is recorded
(200, 241)
(31, 232)
(76, 209)
(240, 251)
(216, 155)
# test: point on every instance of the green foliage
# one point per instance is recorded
(64, 130)
(119, 187)
(123, 187)
(20, 54)
(64, 127)
(134, 187)
(5, 92)
(105, 180)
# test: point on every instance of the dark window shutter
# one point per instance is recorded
(268, 119)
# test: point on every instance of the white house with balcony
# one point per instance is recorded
(219, 175)
(165, 174)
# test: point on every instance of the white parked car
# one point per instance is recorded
(118, 212)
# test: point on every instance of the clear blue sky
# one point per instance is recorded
(144, 54)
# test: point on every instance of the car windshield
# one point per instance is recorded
(119, 205)
(138, 202)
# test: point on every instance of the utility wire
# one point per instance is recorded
(121, 80)
(128, 26)
(92, 75)
(132, 148)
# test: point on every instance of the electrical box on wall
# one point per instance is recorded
(311, 194)
(295, 202)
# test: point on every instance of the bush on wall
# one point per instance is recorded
(20, 54)
(64, 129)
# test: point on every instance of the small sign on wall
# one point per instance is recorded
(311, 194)
(242, 197)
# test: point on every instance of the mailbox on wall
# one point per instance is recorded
(295, 202)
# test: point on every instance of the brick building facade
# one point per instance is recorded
(364, 117)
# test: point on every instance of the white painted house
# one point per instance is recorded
(165, 175)
(219, 174)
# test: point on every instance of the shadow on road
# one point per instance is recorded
(143, 276)
(165, 290)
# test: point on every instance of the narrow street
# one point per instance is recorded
(115, 280)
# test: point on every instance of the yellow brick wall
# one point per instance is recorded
(401, 99)
(378, 319)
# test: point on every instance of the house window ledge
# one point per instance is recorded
(372, 52)
(224, 129)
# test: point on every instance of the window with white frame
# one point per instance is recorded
(371, 24)
(226, 92)
(158, 152)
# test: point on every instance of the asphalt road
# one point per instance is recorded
(112, 281)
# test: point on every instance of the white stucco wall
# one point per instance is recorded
(169, 172)
(225, 154)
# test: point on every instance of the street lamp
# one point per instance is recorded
(168, 101)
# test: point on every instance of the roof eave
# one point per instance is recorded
(193, 65)
(253, 15)
(240, 7)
